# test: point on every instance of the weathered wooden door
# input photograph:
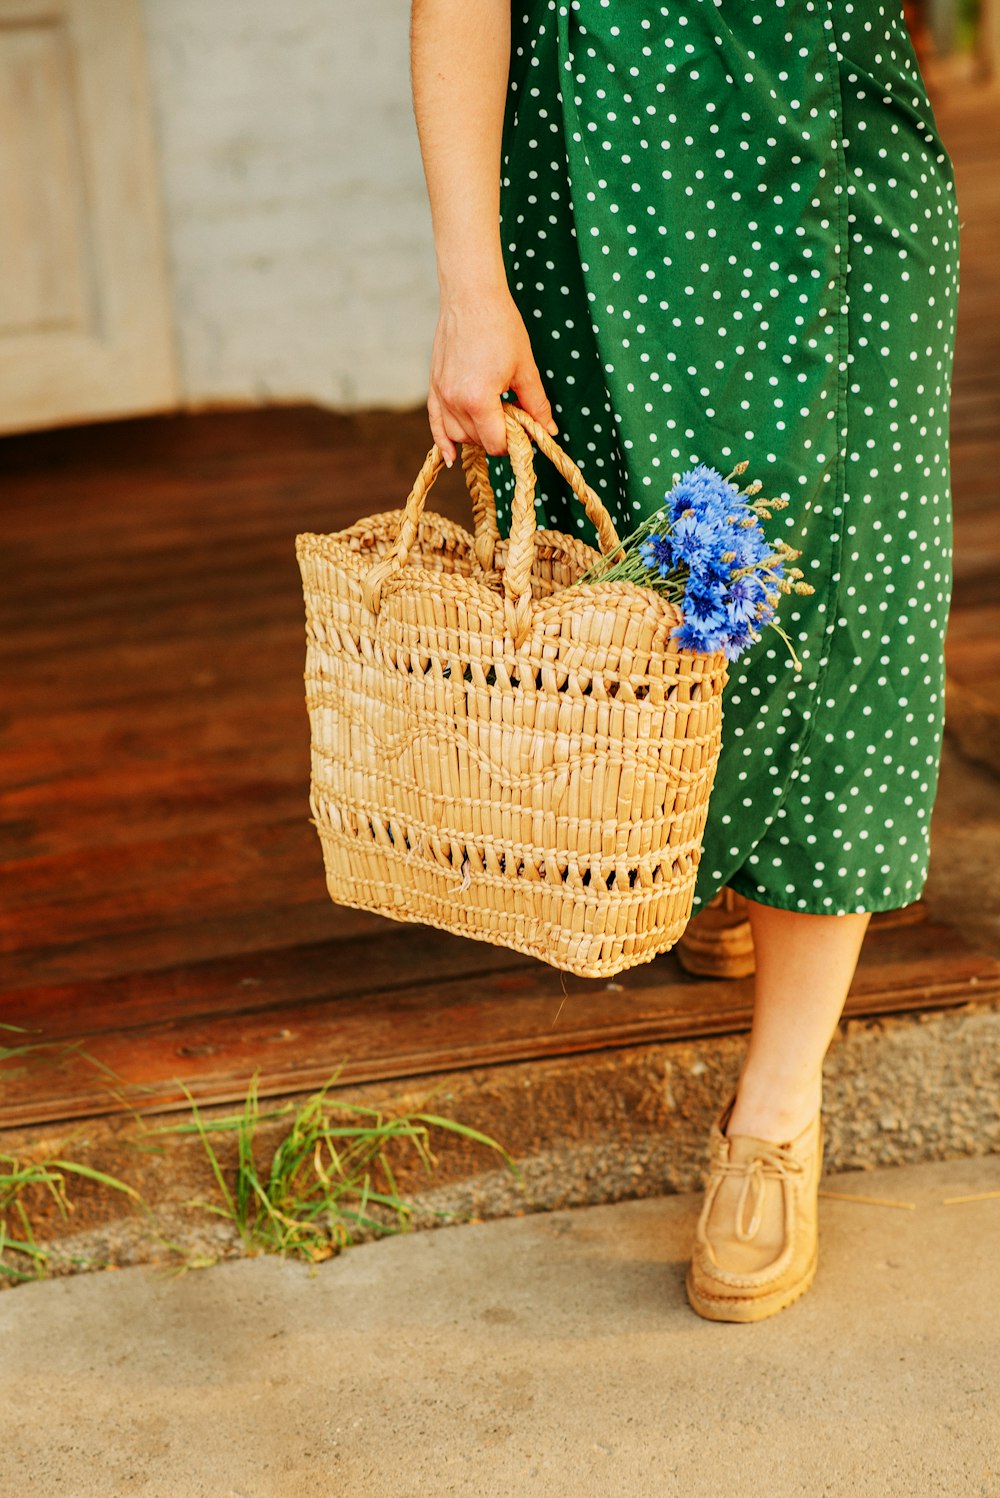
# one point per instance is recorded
(85, 328)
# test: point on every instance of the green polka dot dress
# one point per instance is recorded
(732, 230)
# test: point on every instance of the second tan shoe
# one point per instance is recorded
(718, 942)
(756, 1242)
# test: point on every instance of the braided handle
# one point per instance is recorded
(521, 544)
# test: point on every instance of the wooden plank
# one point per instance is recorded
(527, 1012)
(36, 749)
(261, 653)
(194, 936)
(354, 966)
(56, 815)
(60, 900)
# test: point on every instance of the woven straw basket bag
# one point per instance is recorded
(493, 752)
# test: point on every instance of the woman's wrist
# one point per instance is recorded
(470, 278)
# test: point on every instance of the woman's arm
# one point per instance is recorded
(459, 63)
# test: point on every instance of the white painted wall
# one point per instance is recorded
(297, 220)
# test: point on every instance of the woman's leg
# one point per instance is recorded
(805, 964)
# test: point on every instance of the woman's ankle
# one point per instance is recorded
(775, 1109)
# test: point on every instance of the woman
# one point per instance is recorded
(698, 232)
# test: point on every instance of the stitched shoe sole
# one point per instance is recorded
(750, 1307)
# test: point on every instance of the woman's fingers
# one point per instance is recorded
(486, 415)
(480, 418)
(475, 418)
(527, 386)
(438, 434)
(480, 421)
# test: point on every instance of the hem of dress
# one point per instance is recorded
(752, 891)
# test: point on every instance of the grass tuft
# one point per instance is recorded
(21, 1257)
(329, 1181)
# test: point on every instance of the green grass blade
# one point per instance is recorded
(16, 1245)
(469, 1133)
(212, 1157)
(99, 1176)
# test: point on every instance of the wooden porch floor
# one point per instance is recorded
(164, 908)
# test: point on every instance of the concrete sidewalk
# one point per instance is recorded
(552, 1356)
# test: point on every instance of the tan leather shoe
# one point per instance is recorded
(756, 1242)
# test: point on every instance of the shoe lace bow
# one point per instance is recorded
(763, 1164)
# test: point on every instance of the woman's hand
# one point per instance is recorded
(481, 349)
(460, 61)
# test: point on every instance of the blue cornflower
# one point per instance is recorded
(704, 490)
(691, 636)
(750, 545)
(658, 553)
(744, 598)
(704, 602)
(700, 543)
(705, 622)
(735, 642)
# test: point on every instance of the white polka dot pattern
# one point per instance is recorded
(732, 231)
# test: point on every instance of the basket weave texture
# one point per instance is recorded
(494, 753)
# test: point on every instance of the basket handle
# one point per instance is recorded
(521, 546)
